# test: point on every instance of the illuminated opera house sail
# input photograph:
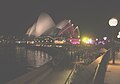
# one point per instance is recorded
(45, 26)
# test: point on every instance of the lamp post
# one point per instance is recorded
(113, 22)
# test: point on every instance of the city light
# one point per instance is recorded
(74, 41)
(118, 36)
(59, 42)
(90, 41)
(96, 39)
(78, 36)
(105, 38)
(119, 32)
(87, 40)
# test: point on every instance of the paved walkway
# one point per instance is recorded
(112, 75)
(55, 77)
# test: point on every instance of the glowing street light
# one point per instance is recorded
(78, 36)
(87, 40)
(119, 33)
(118, 36)
(113, 22)
(96, 39)
(105, 38)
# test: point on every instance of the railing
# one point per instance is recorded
(100, 66)
(101, 69)
(68, 80)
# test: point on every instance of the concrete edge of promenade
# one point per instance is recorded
(42, 72)
(87, 74)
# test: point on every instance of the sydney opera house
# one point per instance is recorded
(45, 26)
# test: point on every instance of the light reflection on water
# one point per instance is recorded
(16, 61)
(31, 58)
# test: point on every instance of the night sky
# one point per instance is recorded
(92, 16)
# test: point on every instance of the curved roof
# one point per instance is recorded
(43, 24)
(76, 32)
(31, 30)
(46, 26)
(62, 24)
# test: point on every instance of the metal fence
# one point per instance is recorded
(100, 73)
(69, 79)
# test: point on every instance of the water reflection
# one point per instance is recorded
(31, 58)
(16, 61)
(37, 58)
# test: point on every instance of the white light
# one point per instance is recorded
(118, 36)
(90, 40)
(69, 21)
(96, 39)
(119, 32)
(50, 40)
(105, 38)
(32, 42)
(76, 27)
(78, 36)
(64, 40)
(113, 22)
(19, 42)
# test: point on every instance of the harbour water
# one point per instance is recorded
(16, 61)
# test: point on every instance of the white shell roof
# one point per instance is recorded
(62, 24)
(43, 24)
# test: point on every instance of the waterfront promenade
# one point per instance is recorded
(112, 75)
(54, 76)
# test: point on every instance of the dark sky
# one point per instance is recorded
(16, 16)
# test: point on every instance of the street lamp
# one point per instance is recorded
(118, 36)
(119, 33)
(113, 22)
